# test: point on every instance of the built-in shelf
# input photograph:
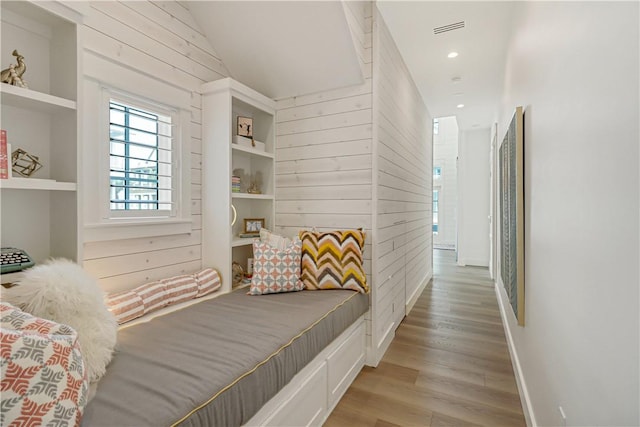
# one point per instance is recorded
(223, 101)
(252, 151)
(11, 277)
(244, 285)
(237, 242)
(37, 184)
(16, 96)
(252, 196)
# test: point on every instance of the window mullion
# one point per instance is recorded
(127, 163)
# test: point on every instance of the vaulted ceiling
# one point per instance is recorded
(282, 48)
(289, 48)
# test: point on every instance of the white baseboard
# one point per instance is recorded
(527, 407)
(416, 294)
(476, 262)
(374, 354)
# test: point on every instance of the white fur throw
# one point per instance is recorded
(62, 291)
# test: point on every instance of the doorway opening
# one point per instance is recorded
(445, 183)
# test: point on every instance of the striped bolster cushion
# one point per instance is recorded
(153, 295)
(125, 306)
(129, 305)
(208, 281)
(179, 289)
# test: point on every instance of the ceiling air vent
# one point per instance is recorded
(450, 27)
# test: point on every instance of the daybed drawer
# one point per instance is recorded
(308, 404)
(345, 363)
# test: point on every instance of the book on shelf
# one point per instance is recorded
(235, 184)
(248, 235)
(4, 156)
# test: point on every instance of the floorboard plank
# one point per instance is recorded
(448, 365)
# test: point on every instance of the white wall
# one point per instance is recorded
(574, 69)
(445, 155)
(324, 152)
(473, 197)
(342, 162)
(162, 40)
(403, 175)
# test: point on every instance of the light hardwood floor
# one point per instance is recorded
(448, 364)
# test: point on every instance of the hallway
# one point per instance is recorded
(448, 365)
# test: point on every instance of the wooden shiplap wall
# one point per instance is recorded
(324, 163)
(402, 159)
(161, 39)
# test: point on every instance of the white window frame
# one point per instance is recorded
(101, 223)
(104, 77)
(110, 95)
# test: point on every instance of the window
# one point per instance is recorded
(140, 160)
(436, 202)
(436, 126)
(437, 172)
(136, 157)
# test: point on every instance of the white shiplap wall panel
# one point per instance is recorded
(402, 155)
(324, 172)
(353, 103)
(324, 122)
(162, 40)
(323, 192)
(360, 157)
(319, 151)
(330, 164)
(351, 133)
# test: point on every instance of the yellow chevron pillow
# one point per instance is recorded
(333, 260)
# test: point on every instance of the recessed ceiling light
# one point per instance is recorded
(460, 105)
(452, 54)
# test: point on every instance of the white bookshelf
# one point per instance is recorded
(252, 151)
(40, 213)
(16, 96)
(222, 102)
(252, 196)
(37, 184)
(239, 242)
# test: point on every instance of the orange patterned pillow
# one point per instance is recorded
(44, 378)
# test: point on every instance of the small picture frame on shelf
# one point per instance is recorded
(245, 127)
(253, 225)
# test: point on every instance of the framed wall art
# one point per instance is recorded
(245, 126)
(253, 225)
(511, 176)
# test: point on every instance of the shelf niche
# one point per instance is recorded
(222, 102)
(40, 213)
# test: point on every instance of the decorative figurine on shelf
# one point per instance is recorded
(253, 188)
(13, 74)
(237, 274)
(23, 163)
(256, 184)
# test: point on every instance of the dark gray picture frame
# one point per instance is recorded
(511, 176)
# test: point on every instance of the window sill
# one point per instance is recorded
(127, 229)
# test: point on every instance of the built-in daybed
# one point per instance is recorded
(281, 359)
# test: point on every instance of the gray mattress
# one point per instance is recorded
(217, 362)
